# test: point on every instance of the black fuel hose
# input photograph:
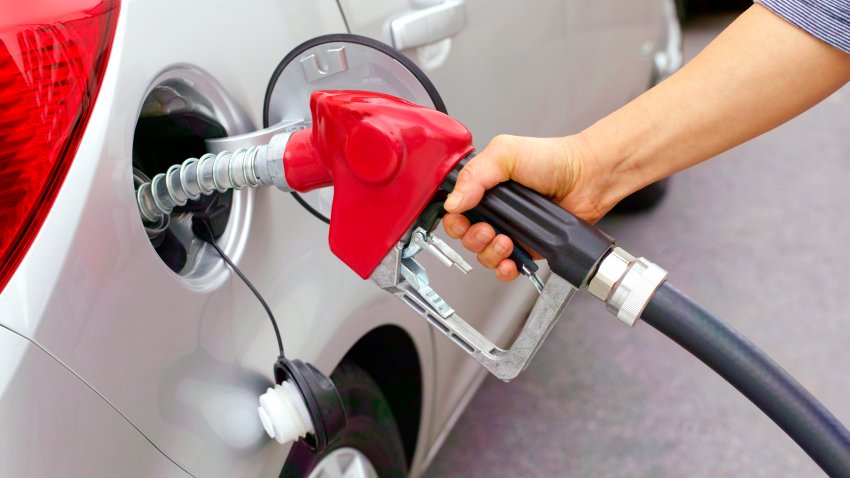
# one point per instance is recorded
(754, 374)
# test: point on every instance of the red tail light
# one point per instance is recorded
(52, 57)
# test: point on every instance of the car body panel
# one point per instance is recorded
(53, 424)
(544, 68)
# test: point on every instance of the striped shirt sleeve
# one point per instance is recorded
(828, 20)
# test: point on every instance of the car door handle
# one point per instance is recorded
(428, 25)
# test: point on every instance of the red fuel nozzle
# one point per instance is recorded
(385, 157)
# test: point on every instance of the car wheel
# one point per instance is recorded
(643, 199)
(370, 446)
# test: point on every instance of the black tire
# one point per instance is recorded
(371, 428)
(643, 199)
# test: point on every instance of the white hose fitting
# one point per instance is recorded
(284, 413)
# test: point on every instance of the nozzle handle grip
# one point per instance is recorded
(573, 247)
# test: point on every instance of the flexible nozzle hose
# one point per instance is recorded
(635, 288)
(256, 166)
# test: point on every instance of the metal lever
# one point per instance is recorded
(400, 274)
(533, 277)
(421, 240)
(416, 276)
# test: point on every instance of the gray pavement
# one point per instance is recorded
(759, 236)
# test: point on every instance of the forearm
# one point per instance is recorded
(759, 73)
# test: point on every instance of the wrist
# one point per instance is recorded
(609, 172)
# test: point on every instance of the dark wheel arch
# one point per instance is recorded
(389, 356)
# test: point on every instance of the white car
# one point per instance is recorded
(128, 355)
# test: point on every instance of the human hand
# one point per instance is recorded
(563, 169)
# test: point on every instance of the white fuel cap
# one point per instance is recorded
(284, 414)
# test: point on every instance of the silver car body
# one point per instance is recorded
(113, 365)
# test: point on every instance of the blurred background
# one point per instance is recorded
(758, 236)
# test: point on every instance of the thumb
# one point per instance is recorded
(489, 168)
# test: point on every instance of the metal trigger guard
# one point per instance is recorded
(504, 364)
